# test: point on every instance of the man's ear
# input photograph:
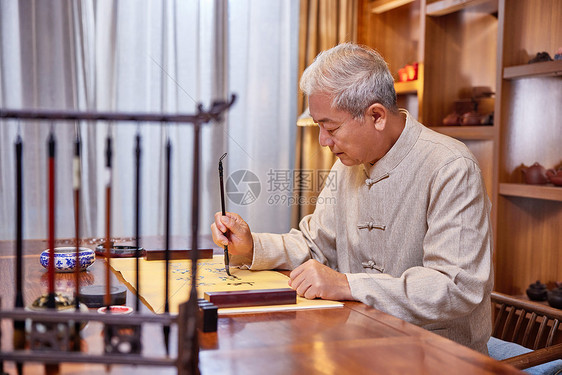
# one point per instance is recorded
(377, 114)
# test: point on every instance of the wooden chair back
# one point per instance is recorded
(530, 324)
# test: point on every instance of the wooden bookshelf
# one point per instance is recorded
(529, 217)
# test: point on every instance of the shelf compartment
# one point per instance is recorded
(443, 7)
(484, 132)
(546, 68)
(546, 192)
(381, 6)
(409, 87)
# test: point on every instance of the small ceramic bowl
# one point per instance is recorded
(117, 309)
(65, 258)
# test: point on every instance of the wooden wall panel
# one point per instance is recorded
(529, 247)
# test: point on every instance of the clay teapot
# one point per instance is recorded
(535, 174)
(555, 177)
(555, 297)
(537, 291)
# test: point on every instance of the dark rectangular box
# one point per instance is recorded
(258, 297)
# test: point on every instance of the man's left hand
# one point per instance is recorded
(312, 280)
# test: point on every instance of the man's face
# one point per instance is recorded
(352, 141)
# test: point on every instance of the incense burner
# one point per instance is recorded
(65, 258)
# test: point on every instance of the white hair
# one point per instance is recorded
(354, 76)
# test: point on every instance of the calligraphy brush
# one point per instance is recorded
(226, 259)
(19, 325)
(166, 327)
(107, 300)
(193, 305)
(137, 216)
(108, 244)
(76, 182)
(51, 303)
(51, 218)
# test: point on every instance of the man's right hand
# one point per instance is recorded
(239, 237)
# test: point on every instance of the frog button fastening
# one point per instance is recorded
(371, 181)
(372, 265)
(370, 225)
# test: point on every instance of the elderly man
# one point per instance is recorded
(409, 233)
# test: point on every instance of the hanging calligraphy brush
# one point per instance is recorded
(76, 183)
(226, 259)
(51, 218)
(19, 325)
(108, 243)
(51, 303)
(192, 304)
(137, 216)
(166, 327)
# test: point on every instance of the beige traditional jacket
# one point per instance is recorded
(412, 234)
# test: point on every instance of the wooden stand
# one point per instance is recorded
(62, 353)
(52, 332)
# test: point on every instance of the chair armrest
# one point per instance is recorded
(536, 357)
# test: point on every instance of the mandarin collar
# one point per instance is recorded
(397, 152)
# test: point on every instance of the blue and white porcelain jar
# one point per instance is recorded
(65, 258)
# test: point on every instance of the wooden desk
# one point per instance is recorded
(355, 339)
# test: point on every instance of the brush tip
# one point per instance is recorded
(167, 339)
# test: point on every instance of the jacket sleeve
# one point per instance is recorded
(456, 276)
(315, 239)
